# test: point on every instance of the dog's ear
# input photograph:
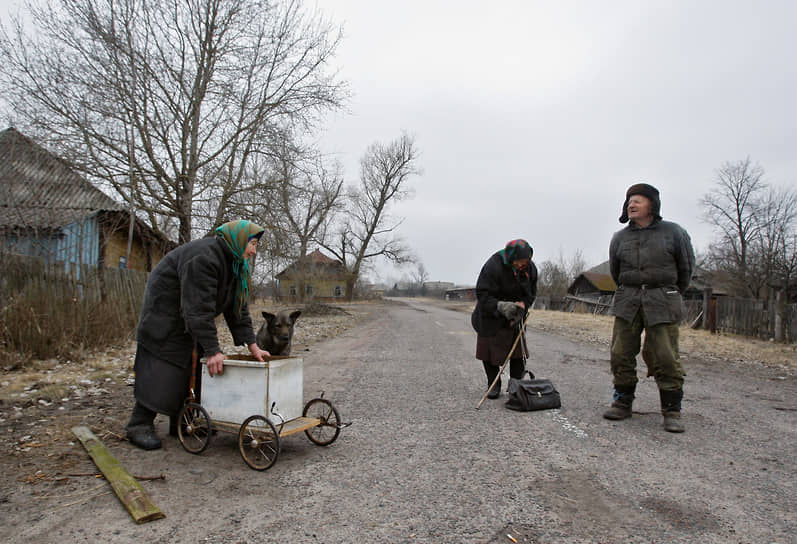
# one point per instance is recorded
(269, 316)
(295, 315)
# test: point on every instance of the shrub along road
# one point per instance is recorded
(420, 464)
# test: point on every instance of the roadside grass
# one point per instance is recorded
(700, 343)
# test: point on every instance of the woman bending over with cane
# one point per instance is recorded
(505, 291)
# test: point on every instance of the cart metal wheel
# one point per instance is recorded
(259, 442)
(327, 431)
(193, 428)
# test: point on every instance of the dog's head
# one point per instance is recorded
(280, 326)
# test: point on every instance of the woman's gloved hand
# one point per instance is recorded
(511, 311)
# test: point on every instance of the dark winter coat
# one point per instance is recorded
(497, 282)
(652, 268)
(186, 291)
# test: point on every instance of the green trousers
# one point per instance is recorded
(660, 353)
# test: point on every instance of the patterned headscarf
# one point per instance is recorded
(516, 250)
(236, 234)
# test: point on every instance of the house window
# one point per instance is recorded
(293, 290)
(308, 290)
(338, 291)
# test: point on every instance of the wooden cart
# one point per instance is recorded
(261, 402)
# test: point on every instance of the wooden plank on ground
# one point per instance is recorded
(124, 485)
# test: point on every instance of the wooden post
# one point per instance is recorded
(779, 307)
(706, 307)
(124, 485)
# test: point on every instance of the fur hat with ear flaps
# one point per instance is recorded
(648, 191)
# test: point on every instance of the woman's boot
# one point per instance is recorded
(141, 429)
(492, 373)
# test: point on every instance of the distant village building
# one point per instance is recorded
(461, 293)
(313, 277)
(438, 285)
(49, 211)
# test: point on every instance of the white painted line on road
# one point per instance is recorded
(438, 324)
(566, 425)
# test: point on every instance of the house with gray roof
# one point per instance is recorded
(48, 210)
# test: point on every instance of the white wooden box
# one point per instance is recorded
(249, 387)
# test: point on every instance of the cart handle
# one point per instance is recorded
(192, 384)
(282, 419)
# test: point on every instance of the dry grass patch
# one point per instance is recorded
(597, 329)
(700, 343)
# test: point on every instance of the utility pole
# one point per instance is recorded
(130, 151)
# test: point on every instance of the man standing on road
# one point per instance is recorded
(651, 262)
(505, 291)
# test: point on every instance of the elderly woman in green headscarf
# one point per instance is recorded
(185, 293)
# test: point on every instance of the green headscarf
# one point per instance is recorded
(236, 234)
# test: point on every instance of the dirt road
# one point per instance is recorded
(420, 464)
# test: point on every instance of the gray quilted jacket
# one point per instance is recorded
(652, 267)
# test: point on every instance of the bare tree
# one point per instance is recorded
(368, 231)
(776, 223)
(552, 279)
(168, 102)
(307, 197)
(786, 272)
(732, 208)
(304, 197)
(757, 224)
(555, 277)
(775, 251)
(419, 278)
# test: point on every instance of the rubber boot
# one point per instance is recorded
(141, 429)
(492, 373)
(671, 410)
(623, 398)
(173, 425)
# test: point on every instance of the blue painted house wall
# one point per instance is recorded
(76, 243)
(79, 242)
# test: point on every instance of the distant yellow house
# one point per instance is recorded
(313, 277)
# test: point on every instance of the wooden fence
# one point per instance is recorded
(750, 317)
(49, 305)
(745, 317)
(35, 277)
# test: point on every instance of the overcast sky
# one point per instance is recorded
(533, 118)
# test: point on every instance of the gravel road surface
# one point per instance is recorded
(421, 464)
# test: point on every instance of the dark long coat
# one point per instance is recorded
(497, 282)
(185, 293)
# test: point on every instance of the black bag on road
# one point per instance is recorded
(529, 395)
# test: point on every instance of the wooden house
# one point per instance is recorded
(592, 284)
(313, 277)
(49, 211)
(461, 293)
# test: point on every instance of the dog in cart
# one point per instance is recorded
(276, 333)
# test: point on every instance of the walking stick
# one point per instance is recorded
(508, 356)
